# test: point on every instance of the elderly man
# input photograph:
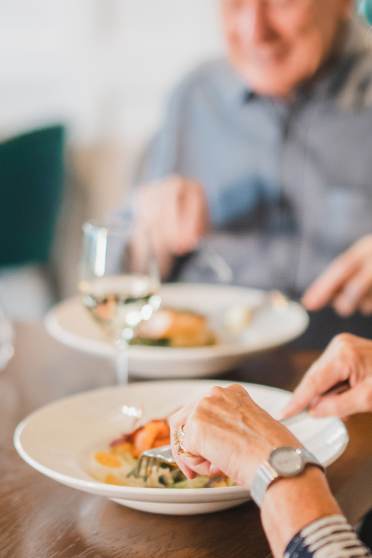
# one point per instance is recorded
(263, 165)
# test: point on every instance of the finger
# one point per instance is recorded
(138, 252)
(189, 473)
(323, 290)
(190, 219)
(180, 224)
(365, 307)
(188, 463)
(176, 421)
(338, 405)
(140, 249)
(183, 240)
(199, 466)
(191, 465)
(195, 215)
(178, 418)
(215, 471)
(182, 464)
(354, 292)
(357, 399)
(159, 248)
(155, 224)
(168, 223)
(322, 375)
(238, 389)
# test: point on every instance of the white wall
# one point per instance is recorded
(42, 48)
(163, 38)
(104, 65)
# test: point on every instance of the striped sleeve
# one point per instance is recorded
(329, 537)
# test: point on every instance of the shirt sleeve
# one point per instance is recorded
(329, 537)
(161, 157)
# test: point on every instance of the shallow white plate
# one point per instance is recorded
(71, 324)
(58, 439)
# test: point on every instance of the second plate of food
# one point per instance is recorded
(202, 330)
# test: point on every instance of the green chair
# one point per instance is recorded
(365, 9)
(31, 187)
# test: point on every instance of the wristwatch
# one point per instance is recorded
(283, 462)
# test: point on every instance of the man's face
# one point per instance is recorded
(275, 45)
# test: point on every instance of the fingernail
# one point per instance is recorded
(284, 415)
(345, 306)
(310, 304)
(344, 312)
(286, 412)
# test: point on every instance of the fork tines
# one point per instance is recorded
(145, 466)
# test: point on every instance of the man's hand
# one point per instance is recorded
(347, 358)
(174, 213)
(347, 283)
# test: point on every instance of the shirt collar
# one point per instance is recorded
(236, 90)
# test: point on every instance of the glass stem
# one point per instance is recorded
(121, 362)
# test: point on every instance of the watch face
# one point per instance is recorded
(288, 462)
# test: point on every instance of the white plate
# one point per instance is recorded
(58, 439)
(71, 324)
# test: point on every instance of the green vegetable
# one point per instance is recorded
(150, 342)
(197, 482)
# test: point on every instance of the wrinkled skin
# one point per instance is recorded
(226, 431)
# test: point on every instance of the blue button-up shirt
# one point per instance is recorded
(289, 184)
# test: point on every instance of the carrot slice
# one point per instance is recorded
(159, 442)
(146, 438)
(107, 459)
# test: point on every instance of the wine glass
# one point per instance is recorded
(119, 282)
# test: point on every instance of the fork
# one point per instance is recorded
(153, 458)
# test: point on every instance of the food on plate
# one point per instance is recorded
(117, 463)
(153, 434)
(170, 327)
(237, 319)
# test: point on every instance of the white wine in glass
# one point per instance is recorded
(119, 282)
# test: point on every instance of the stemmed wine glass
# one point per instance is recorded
(119, 282)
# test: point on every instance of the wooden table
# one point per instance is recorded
(42, 519)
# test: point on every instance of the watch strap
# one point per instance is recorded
(264, 477)
(310, 459)
(266, 474)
